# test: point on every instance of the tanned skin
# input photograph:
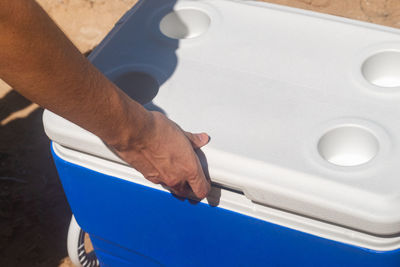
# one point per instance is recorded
(39, 61)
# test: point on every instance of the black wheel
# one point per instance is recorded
(80, 255)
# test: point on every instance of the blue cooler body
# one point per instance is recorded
(134, 225)
(302, 109)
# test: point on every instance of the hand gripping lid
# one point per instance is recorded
(302, 108)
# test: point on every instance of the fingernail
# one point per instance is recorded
(203, 137)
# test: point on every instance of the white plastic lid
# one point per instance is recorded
(302, 108)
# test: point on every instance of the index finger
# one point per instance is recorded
(198, 182)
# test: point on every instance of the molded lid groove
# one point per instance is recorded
(348, 146)
(383, 69)
(185, 23)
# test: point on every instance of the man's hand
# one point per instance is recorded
(38, 60)
(164, 154)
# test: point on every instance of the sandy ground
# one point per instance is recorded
(34, 214)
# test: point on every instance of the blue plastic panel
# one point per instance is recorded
(133, 225)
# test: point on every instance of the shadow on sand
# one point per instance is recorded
(34, 214)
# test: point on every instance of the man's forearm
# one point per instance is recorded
(38, 60)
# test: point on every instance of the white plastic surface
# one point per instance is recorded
(302, 108)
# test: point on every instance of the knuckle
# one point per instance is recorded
(192, 174)
(201, 194)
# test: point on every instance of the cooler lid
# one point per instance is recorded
(302, 108)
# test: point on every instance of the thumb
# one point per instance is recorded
(198, 140)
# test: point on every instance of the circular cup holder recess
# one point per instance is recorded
(140, 86)
(348, 146)
(383, 69)
(185, 23)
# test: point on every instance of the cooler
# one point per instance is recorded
(303, 113)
